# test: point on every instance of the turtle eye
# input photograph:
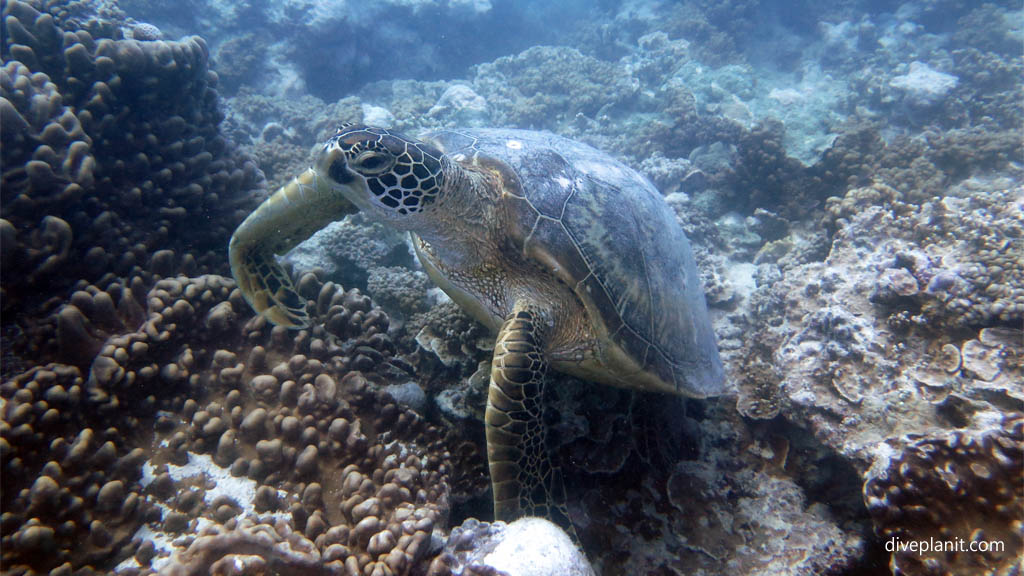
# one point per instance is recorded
(373, 162)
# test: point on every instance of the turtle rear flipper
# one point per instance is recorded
(286, 218)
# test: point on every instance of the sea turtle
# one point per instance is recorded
(571, 257)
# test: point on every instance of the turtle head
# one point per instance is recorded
(391, 177)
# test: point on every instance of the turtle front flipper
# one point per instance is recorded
(282, 221)
(525, 480)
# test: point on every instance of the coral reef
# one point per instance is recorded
(278, 132)
(957, 490)
(156, 372)
(102, 172)
(641, 469)
(367, 42)
(922, 85)
(239, 60)
(870, 346)
(459, 105)
(956, 256)
(289, 414)
(849, 175)
(398, 289)
(349, 252)
(532, 97)
(855, 337)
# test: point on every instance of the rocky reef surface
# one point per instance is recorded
(850, 178)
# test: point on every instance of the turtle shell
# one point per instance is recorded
(604, 230)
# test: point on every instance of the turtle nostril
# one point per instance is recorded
(337, 167)
(339, 172)
(331, 163)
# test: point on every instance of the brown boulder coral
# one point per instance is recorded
(168, 393)
(364, 480)
(109, 145)
(960, 493)
(71, 496)
(45, 148)
(272, 441)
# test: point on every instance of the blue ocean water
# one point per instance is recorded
(837, 183)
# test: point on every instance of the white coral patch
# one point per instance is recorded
(218, 482)
(537, 547)
(924, 84)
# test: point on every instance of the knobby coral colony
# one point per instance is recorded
(959, 489)
(211, 379)
(154, 363)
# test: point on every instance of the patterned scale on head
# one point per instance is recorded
(402, 174)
